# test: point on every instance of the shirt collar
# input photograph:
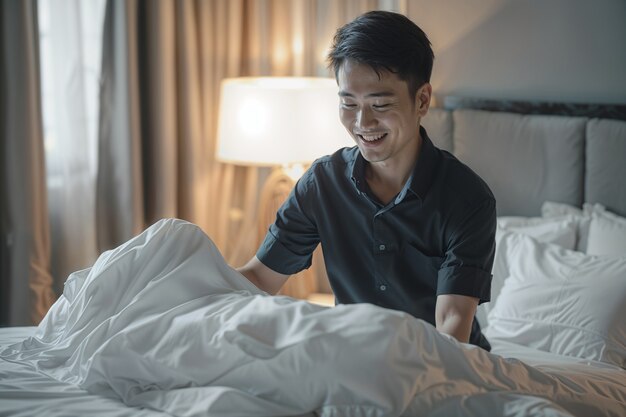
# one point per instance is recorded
(423, 171)
(358, 172)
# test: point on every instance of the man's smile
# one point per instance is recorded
(371, 137)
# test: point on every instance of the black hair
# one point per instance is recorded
(385, 41)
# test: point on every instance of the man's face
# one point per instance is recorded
(379, 112)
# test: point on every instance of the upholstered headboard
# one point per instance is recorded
(529, 153)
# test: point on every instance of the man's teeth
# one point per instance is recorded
(372, 138)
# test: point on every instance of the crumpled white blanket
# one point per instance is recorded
(163, 322)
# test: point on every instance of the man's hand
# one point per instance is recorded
(263, 277)
(454, 315)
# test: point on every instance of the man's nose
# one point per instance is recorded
(365, 119)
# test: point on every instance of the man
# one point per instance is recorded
(403, 224)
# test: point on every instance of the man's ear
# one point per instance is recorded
(422, 99)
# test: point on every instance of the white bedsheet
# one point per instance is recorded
(162, 322)
(24, 392)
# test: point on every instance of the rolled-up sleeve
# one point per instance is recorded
(290, 241)
(466, 269)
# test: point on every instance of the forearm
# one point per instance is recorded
(456, 326)
(250, 275)
(454, 315)
(262, 276)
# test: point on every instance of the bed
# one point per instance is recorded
(215, 345)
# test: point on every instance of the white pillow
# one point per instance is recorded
(560, 231)
(561, 301)
(554, 209)
(551, 209)
(607, 234)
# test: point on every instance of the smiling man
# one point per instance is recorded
(402, 224)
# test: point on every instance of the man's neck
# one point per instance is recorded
(387, 178)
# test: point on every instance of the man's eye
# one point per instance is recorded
(348, 105)
(381, 106)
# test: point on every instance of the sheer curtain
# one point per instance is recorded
(70, 36)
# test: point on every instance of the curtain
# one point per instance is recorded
(26, 282)
(70, 44)
(153, 158)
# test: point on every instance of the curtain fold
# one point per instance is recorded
(25, 247)
(155, 159)
(119, 189)
(160, 86)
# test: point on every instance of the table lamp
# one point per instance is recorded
(284, 123)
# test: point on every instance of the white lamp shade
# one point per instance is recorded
(279, 120)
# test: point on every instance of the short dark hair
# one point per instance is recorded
(385, 41)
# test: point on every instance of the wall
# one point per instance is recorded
(557, 50)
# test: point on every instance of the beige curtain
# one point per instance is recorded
(157, 97)
(26, 284)
(162, 66)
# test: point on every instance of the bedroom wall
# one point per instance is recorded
(562, 50)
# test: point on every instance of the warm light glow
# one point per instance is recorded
(293, 171)
(297, 46)
(327, 300)
(280, 57)
(323, 53)
(279, 120)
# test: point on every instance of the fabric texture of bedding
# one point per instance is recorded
(560, 230)
(561, 301)
(607, 234)
(25, 392)
(163, 322)
(551, 209)
(609, 229)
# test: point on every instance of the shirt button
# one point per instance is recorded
(383, 287)
(382, 247)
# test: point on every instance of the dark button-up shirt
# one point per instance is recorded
(436, 237)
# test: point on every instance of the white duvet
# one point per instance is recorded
(163, 322)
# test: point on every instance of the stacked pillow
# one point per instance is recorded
(607, 234)
(551, 210)
(559, 230)
(600, 231)
(560, 283)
